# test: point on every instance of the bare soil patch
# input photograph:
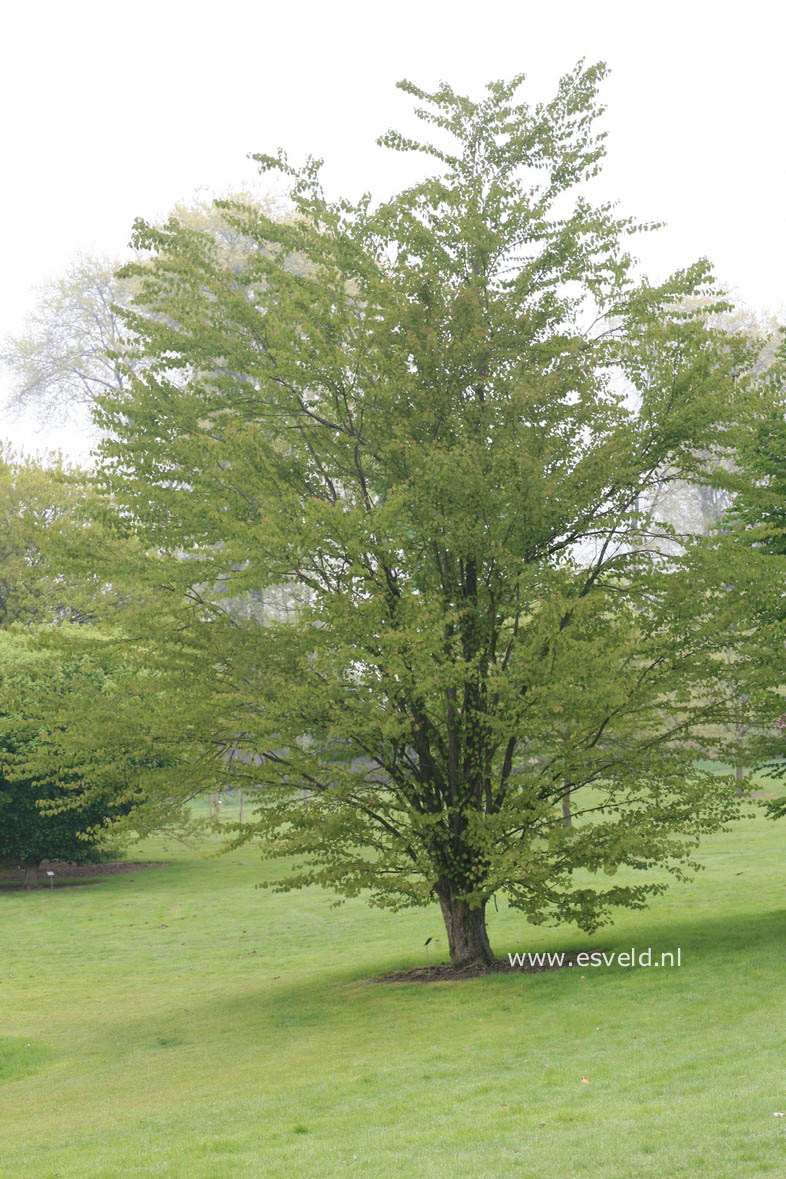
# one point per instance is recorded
(444, 972)
(71, 875)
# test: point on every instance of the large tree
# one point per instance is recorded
(440, 434)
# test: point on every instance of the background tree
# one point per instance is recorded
(705, 508)
(58, 666)
(76, 343)
(78, 760)
(50, 816)
(700, 508)
(759, 510)
(68, 351)
(43, 508)
(439, 432)
(758, 518)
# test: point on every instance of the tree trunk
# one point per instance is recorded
(31, 875)
(566, 816)
(466, 929)
(739, 777)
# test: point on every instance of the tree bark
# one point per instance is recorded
(31, 875)
(567, 820)
(466, 929)
(739, 776)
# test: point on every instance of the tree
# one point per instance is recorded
(50, 527)
(439, 434)
(759, 510)
(68, 351)
(57, 666)
(76, 343)
(66, 794)
(48, 816)
(701, 508)
(707, 508)
(38, 505)
(758, 518)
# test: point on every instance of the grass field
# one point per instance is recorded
(178, 1021)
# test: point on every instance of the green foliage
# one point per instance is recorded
(758, 521)
(32, 832)
(75, 746)
(438, 433)
(760, 507)
(64, 792)
(45, 817)
(38, 503)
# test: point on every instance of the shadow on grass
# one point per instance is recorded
(716, 954)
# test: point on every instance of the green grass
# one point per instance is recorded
(178, 1021)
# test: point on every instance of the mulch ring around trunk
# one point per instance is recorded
(70, 875)
(445, 972)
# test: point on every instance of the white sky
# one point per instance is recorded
(113, 111)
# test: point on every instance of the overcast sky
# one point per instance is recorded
(115, 111)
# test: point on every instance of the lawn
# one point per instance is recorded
(178, 1021)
